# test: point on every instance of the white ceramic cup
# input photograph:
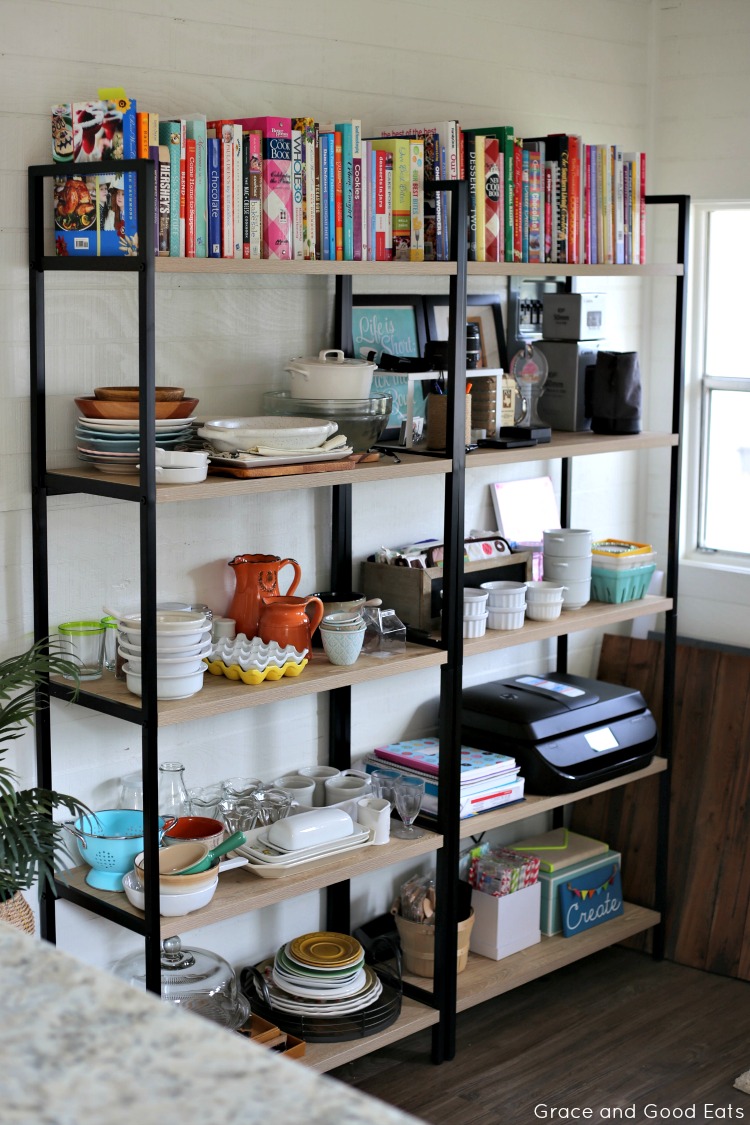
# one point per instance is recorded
(567, 542)
(375, 813)
(302, 789)
(345, 787)
(319, 775)
(567, 570)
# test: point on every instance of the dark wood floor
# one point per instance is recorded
(615, 1030)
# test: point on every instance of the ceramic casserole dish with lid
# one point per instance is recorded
(330, 375)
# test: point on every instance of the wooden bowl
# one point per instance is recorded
(92, 407)
(130, 394)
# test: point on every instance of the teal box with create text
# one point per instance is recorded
(551, 915)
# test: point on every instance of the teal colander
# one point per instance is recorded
(109, 841)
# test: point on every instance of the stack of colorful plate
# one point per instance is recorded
(112, 444)
(323, 974)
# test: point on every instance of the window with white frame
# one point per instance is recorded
(723, 358)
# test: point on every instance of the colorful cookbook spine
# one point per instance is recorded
(325, 180)
(197, 131)
(298, 195)
(255, 174)
(213, 153)
(416, 210)
(536, 208)
(245, 195)
(380, 223)
(169, 135)
(480, 205)
(190, 198)
(492, 201)
(308, 129)
(163, 196)
(277, 183)
(400, 150)
(338, 193)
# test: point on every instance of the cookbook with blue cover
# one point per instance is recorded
(95, 215)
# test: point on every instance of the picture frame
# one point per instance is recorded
(393, 323)
(483, 309)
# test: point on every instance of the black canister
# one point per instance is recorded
(473, 347)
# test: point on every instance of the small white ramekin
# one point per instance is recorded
(506, 619)
(475, 602)
(475, 625)
(543, 611)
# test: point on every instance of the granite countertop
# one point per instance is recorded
(81, 1047)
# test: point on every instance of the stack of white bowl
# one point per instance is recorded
(475, 612)
(544, 600)
(506, 604)
(567, 560)
(183, 639)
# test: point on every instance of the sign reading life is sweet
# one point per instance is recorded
(588, 900)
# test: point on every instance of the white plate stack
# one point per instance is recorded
(183, 640)
(567, 560)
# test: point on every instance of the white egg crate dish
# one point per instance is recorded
(254, 653)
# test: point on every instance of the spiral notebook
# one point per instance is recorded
(422, 754)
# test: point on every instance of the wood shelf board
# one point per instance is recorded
(317, 268)
(220, 695)
(215, 487)
(532, 804)
(484, 978)
(567, 269)
(327, 1056)
(564, 444)
(595, 615)
(272, 266)
(240, 892)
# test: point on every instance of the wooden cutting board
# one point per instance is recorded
(297, 469)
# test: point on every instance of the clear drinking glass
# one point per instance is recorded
(204, 801)
(131, 791)
(383, 784)
(409, 793)
(173, 796)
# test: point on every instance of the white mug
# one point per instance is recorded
(345, 787)
(375, 813)
(319, 775)
(302, 789)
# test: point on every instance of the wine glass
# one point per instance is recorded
(409, 792)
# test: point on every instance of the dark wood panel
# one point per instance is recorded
(708, 908)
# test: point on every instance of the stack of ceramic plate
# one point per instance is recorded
(322, 973)
(112, 444)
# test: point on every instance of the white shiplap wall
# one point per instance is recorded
(700, 124)
(579, 66)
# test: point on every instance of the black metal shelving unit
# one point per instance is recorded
(46, 483)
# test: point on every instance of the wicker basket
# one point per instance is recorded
(17, 912)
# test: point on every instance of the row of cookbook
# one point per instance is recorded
(292, 188)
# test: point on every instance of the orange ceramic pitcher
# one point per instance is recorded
(257, 577)
(287, 621)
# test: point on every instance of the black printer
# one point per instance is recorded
(566, 732)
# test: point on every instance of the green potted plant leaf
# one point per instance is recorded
(31, 842)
